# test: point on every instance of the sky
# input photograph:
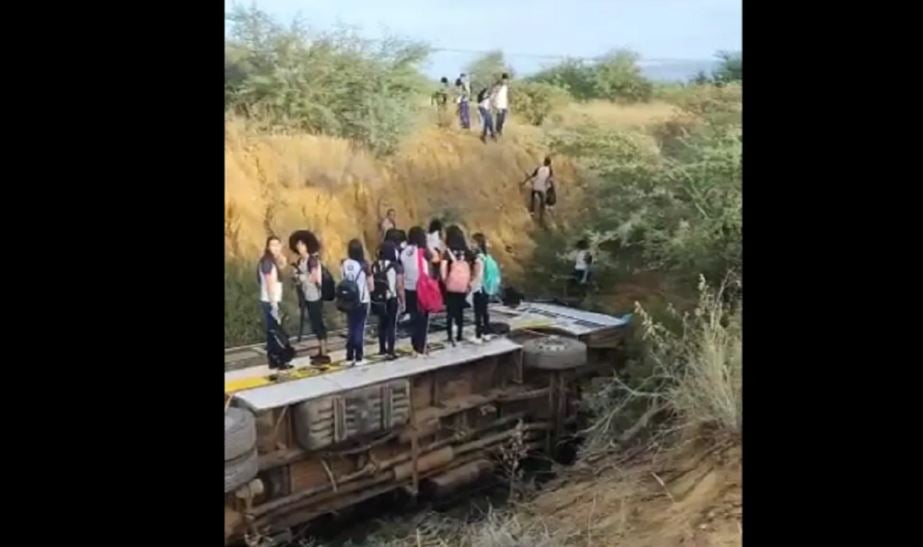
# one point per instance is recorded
(672, 36)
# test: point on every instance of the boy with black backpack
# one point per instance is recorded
(353, 296)
(387, 296)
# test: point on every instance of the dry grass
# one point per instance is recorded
(614, 115)
(702, 365)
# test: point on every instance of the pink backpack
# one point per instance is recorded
(459, 277)
(429, 297)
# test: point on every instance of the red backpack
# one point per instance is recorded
(429, 297)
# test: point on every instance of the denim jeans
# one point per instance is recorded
(269, 320)
(464, 115)
(487, 122)
(501, 118)
(355, 338)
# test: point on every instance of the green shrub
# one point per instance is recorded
(284, 79)
(614, 77)
(535, 101)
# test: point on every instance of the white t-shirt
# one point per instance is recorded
(411, 271)
(477, 274)
(269, 267)
(540, 178)
(580, 262)
(501, 99)
(355, 271)
(434, 243)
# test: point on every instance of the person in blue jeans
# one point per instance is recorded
(357, 269)
(487, 123)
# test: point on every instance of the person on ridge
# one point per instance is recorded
(463, 90)
(487, 123)
(501, 101)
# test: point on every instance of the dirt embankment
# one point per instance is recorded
(277, 184)
(688, 497)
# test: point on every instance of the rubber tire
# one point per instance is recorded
(554, 353)
(239, 433)
(240, 471)
(498, 328)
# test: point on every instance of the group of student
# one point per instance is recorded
(492, 103)
(414, 274)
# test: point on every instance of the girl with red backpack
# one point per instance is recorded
(415, 262)
(456, 267)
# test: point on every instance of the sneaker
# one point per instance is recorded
(475, 340)
(391, 357)
(488, 337)
(360, 363)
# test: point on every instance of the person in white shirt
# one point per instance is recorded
(269, 273)
(582, 261)
(501, 101)
(542, 179)
(387, 297)
(463, 88)
(411, 260)
(355, 268)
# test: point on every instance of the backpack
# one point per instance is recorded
(382, 291)
(551, 197)
(491, 276)
(429, 297)
(459, 277)
(347, 294)
(482, 95)
(328, 290)
(279, 350)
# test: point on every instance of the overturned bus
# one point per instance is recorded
(308, 442)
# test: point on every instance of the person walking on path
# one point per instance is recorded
(487, 123)
(501, 101)
(463, 88)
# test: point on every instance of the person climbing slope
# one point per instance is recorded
(542, 179)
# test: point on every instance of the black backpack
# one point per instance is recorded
(382, 287)
(551, 197)
(279, 350)
(328, 289)
(482, 95)
(347, 294)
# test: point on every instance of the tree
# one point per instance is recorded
(618, 77)
(333, 83)
(487, 69)
(730, 68)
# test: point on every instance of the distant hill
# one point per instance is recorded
(669, 70)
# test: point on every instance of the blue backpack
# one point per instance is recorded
(491, 276)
